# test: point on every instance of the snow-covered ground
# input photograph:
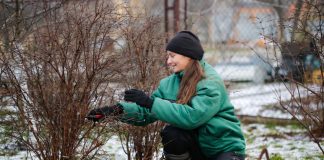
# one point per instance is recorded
(260, 100)
(287, 142)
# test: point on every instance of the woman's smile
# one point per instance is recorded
(177, 62)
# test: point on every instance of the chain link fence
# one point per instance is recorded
(237, 37)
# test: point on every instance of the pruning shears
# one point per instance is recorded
(95, 118)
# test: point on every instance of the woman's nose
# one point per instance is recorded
(168, 61)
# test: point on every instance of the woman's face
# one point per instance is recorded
(177, 62)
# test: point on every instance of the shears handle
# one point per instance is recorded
(97, 116)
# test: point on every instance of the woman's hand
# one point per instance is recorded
(139, 97)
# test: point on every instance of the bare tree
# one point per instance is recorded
(57, 71)
(302, 60)
(144, 52)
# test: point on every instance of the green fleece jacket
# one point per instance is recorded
(209, 111)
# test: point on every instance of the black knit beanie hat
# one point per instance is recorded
(187, 44)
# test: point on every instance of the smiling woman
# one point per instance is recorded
(193, 102)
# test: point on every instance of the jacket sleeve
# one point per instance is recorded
(202, 107)
(137, 115)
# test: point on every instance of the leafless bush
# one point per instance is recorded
(302, 61)
(144, 53)
(58, 69)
